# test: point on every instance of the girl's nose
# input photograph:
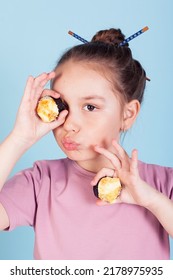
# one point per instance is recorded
(72, 122)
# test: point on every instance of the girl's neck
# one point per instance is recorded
(96, 164)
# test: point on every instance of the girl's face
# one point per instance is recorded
(94, 116)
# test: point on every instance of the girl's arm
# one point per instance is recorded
(135, 190)
(10, 151)
(28, 129)
(162, 207)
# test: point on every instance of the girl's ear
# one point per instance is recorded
(130, 113)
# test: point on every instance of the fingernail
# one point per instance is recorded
(64, 113)
(96, 146)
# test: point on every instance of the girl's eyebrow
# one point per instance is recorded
(89, 97)
(93, 97)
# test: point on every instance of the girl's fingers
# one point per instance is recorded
(60, 120)
(119, 160)
(50, 92)
(49, 77)
(100, 202)
(40, 82)
(103, 173)
(134, 162)
(109, 155)
(34, 86)
(28, 88)
(122, 155)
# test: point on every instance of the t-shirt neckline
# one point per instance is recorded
(81, 170)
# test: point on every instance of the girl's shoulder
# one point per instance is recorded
(51, 165)
(160, 177)
(154, 167)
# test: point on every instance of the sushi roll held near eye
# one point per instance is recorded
(108, 189)
(48, 108)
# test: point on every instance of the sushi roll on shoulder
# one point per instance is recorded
(108, 189)
(48, 108)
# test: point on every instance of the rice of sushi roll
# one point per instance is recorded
(48, 108)
(108, 189)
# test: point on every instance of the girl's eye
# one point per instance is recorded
(90, 107)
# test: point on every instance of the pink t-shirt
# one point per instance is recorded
(56, 198)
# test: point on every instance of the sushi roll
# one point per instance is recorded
(108, 189)
(48, 108)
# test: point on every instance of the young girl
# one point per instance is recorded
(103, 88)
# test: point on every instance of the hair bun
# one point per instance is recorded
(110, 36)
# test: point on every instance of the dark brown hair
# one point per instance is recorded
(125, 73)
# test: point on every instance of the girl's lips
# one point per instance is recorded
(69, 145)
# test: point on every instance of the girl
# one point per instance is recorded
(103, 88)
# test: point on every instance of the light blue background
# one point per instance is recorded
(34, 34)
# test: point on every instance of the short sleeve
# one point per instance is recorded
(19, 196)
(159, 177)
(169, 184)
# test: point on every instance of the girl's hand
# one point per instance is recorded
(28, 127)
(134, 191)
